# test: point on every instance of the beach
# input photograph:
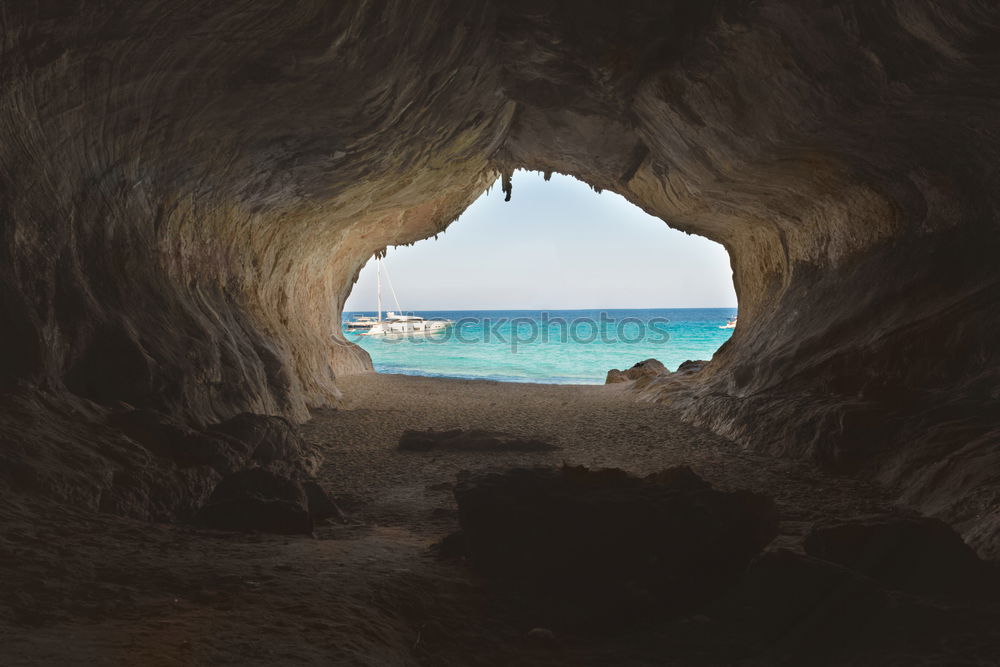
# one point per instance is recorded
(367, 591)
(547, 346)
(595, 426)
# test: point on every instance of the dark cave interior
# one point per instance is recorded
(188, 191)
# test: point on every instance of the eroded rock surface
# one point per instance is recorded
(649, 368)
(273, 443)
(187, 192)
(258, 499)
(688, 367)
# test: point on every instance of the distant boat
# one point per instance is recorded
(730, 324)
(361, 323)
(394, 324)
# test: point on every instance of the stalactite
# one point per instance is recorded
(507, 184)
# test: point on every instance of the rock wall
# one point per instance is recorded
(187, 191)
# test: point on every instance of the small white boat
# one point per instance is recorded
(395, 323)
(361, 323)
(730, 323)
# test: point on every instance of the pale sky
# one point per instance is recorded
(555, 245)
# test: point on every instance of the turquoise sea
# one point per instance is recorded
(555, 346)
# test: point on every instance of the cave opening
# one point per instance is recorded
(192, 471)
(559, 284)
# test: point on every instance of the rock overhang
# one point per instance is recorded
(188, 193)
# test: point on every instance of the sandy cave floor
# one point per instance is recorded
(85, 589)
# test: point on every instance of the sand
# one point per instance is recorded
(600, 426)
(84, 589)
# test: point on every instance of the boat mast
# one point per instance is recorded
(378, 287)
(388, 279)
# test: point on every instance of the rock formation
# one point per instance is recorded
(598, 549)
(258, 499)
(917, 555)
(649, 368)
(187, 191)
(606, 544)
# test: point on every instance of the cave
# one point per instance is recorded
(556, 285)
(188, 191)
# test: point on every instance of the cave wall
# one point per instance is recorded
(845, 154)
(187, 191)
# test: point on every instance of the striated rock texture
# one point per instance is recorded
(188, 189)
(650, 368)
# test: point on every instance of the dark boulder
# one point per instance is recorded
(321, 505)
(918, 555)
(607, 540)
(794, 608)
(273, 443)
(474, 440)
(184, 446)
(679, 478)
(258, 500)
(785, 593)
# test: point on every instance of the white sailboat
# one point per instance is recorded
(395, 323)
(361, 322)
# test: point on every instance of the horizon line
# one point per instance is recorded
(479, 310)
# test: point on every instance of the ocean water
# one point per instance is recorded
(555, 346)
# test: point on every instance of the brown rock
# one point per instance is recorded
(643, 369)
(606, 543)
(615, 376)
(321, 505)
(689, 367)
(258, 500)
(913, 554)
(273, 443)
